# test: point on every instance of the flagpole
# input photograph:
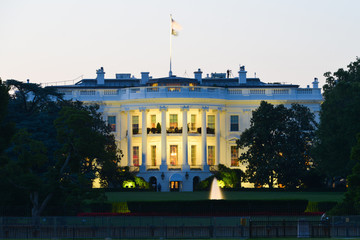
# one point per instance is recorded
(170, 72)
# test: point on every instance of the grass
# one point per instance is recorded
(243, 195)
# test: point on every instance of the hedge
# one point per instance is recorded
(219, 207)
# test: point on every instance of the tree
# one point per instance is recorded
(6, 129)
(351, 202)
(339, 121)
(58, 150)
(277, 145)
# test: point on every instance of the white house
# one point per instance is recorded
(175, 130)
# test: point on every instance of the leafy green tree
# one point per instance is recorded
(59, 148)
(6, 129)
(339, 121)
(277, 145)
(351, 202)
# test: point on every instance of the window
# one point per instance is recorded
(211, 124)
(173, 120)
(211, 155)
(153, 121)
(211, 121)
(234, 123)
(234, 156)
(193, 122)
(112, 123)
(173, 155)
(135, 124)
(136, 156)
(193, 155)
(153, 155)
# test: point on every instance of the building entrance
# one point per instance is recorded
(175, 186)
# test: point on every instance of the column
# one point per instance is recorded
(129, 138)
(185, 164)
(143, 139)
(118, 125)
(217, 134)
(203, 138)
(163, 166)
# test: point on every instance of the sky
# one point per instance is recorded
(284, 41)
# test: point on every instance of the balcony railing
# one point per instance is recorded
(136, 131)
(152, 167)
(196, 167)
(269, 92)
(174, 130)
(174, 167)
(153, 131)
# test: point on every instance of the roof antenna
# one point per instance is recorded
(255, 74)
(185, 74)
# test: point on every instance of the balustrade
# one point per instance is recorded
(193, 92)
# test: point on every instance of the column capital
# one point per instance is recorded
(143, 109)
(205, 108)
(163, 108)
(184, 108)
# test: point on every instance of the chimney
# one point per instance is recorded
(198, 75)
(242, 75)
(144, 78)
(100, 76)
(315, 83)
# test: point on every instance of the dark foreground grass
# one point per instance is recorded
(243, 195)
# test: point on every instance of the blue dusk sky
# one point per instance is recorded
(281, 40)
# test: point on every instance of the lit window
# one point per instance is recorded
(153, 121)
(211, 121)
(211, 124)
(136, 156)
(193, 155)
(234, 123)
(153, 155)
(211, 155)
(135, 124)
(234, 156)
(193, 122)
(112, 123)
(173, 121)
(173, 155)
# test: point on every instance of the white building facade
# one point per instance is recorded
(175, 131)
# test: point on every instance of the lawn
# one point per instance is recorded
(243, 195)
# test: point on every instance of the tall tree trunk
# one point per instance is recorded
(38, 208)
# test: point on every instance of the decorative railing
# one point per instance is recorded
(190, 92)
(174, 130)
(174, 167)
(152, 167)
(153, 131)
(196, 167)
(136, 131)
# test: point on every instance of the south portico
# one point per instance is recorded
(191, 133)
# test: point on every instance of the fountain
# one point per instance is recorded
(215, 191)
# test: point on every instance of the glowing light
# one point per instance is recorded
(221, 183)
(128, 184)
